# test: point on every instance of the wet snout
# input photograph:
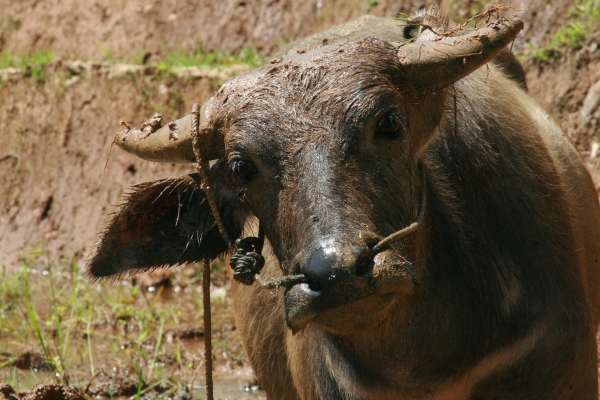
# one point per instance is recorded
(339, 272)
(331, 265)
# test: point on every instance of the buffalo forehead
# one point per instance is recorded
(330, 67)
(328, 83)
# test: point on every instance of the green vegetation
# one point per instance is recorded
(108, 55)
(34, 65)
(56, 327)
(585, 19)
(372, 3)
(180, 58)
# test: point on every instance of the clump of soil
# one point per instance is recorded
(185, 333)
(42, 392)
(105, 385)
(31, 360)
(118, 385)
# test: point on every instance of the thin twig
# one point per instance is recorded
(487, 13)
(402, 233)
(284, 281)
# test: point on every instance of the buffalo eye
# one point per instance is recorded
(391, 125)
(244, 170)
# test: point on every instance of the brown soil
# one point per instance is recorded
(104, 386)
(42, 392)
(78, 29)
(56, 143)
(124, 385)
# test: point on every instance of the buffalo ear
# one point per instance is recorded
(162, 223)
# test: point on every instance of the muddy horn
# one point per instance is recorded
(444, 60)
(171, 143)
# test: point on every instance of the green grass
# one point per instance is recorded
(81, 329)
(584, 20)
(372, 4)
(181, 58)
(34, 64)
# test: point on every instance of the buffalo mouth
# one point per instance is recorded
(353, 302)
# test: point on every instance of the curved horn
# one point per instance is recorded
(171, 143)
(437, 63)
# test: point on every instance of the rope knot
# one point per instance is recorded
(247, 260)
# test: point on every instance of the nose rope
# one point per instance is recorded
(202, 168)
(247, 260)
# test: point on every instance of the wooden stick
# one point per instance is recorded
(207, 329)
(202, 168)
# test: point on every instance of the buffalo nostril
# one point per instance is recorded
(365, 268)
(319, 268)
(328, 266)
(315, 286)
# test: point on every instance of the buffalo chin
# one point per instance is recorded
(345, 314)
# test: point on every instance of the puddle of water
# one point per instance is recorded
(234, 387)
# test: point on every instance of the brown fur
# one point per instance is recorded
(494, 297)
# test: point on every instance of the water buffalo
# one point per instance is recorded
(493, 296)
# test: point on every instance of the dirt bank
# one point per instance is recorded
(58, 124)
(78, 29)
(55, 146)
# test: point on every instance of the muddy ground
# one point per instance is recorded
(58, 179)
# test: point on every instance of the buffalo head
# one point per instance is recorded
(325, 150)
